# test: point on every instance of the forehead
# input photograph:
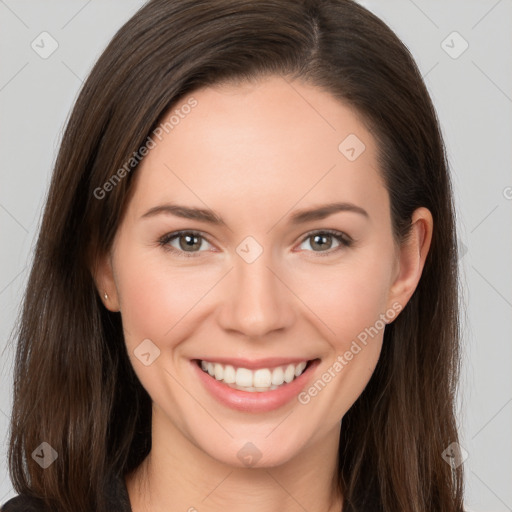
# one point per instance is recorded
(267, 144)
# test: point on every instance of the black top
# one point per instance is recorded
(117, 494)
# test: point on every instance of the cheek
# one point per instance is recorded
(159, 303)
(155, 297)
(349, 303)
(351, 298)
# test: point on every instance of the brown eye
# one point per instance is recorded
(322, 241)
(188, 243)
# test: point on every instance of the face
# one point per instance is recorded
(253, 284)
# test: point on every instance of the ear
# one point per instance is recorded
(412, 255)
(103, 275)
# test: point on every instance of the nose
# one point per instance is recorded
(258, 299)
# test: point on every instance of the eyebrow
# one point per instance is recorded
(209, 216)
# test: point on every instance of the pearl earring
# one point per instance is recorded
(105, 295)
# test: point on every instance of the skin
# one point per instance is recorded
(255, 153)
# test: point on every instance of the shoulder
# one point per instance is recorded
(23, 503)
(115, 489)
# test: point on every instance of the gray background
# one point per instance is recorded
(472, 91)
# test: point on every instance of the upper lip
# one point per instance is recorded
(268, 362)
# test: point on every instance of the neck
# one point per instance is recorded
(177, 475)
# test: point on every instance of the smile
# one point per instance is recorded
(263, 387)
(259, 380)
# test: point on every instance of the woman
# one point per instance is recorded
(244, 293)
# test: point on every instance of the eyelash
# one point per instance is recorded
(344, 239)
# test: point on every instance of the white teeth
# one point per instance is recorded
(229, 374)
(289, 373)
(277, 376)
(243, 377)
(219, 371)
(298, 370)
(263, 379)
(252, 389)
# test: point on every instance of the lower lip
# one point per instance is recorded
(258, 401)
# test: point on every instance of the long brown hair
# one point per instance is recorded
(74, 386)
